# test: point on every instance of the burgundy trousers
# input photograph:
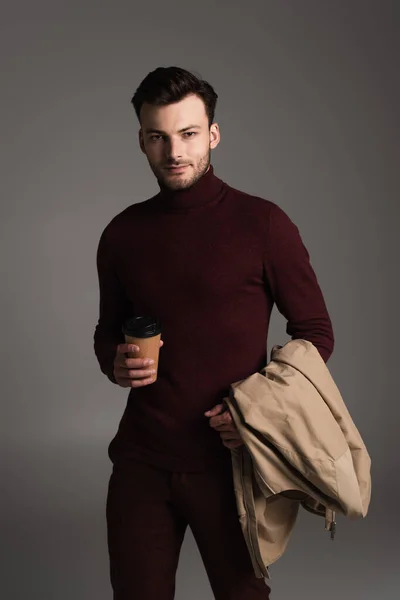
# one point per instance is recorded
(148, 511)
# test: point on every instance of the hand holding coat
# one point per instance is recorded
(221, 420)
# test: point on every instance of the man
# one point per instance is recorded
(210, 262)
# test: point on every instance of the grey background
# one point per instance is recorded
(309, 116)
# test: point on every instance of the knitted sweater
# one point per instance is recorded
(210, 262)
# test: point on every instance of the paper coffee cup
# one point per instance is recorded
(144, 332)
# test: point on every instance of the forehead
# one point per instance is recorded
(190, 110)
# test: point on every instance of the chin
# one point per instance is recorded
(177, 183)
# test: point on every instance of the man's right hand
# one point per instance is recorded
(132, 372)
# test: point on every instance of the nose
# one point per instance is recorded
(173, 149)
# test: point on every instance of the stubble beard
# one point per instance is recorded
(182, 182)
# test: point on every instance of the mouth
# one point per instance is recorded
(176, 169)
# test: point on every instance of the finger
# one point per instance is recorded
(136, 373)
(215, 410)
(123, 348)
(225, 427)
(232, 445)
(137, 363)
(135, 383)
(230, 435)
(224, 418)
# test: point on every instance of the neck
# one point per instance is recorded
(203, 191)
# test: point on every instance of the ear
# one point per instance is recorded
(214, 136)
(141, 141)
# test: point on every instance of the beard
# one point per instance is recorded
(185, 181)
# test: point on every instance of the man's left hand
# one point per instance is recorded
(221, 420)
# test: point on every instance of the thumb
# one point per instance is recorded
(216, 410)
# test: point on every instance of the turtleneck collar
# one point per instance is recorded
(205, 190)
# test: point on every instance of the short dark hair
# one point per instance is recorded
(166, 85)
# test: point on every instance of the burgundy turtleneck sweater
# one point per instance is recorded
(210, 262)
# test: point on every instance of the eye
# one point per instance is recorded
(155, 137)
(190, 133)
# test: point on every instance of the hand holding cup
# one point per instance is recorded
(136, 361)
(133, 372)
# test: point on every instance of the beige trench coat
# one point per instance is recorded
(301, 448)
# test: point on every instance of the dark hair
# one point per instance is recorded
(167, 85)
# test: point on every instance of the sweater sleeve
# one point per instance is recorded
(113, 308)
(294, 286)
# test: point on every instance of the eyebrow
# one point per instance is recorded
(180, 131)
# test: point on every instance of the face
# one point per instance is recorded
(177, 141)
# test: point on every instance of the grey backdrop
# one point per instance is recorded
(309, 116)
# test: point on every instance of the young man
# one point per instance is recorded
(210, 262)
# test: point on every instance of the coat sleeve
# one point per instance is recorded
(294, 286)
(113, 308)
